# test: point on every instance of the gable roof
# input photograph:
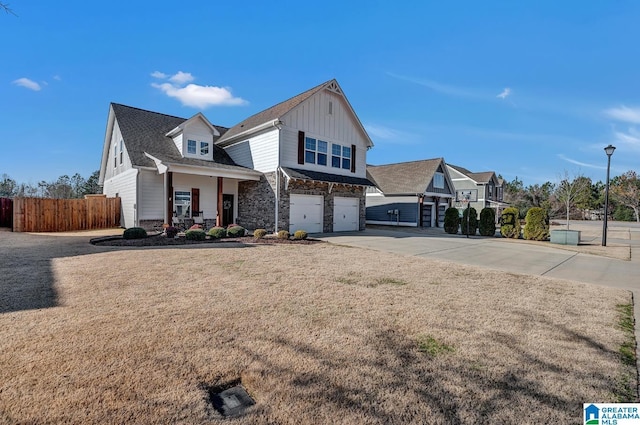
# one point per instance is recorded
(405, 177)
(481, 177)
(277, 111)
(145, 132)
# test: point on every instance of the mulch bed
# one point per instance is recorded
(161, 240)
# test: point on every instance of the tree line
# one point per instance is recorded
(65, 187)
(578, 197)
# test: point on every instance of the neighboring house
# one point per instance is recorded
(484, 189)
(300, 164)
(415, 193)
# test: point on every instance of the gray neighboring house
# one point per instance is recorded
(484, 187)
(300, 164)
(414, 194)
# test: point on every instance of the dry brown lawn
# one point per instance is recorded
(318, 334)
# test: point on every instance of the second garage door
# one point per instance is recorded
(306, 213)
(346, 214)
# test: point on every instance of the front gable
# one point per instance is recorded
(440, 185)
(194, 138)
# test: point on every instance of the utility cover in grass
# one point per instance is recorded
(231, 402)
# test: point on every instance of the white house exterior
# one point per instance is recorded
(300, 164)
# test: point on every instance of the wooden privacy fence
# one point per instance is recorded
(6, 212)
(62, 215)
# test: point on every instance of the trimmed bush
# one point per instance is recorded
(510, 223)
(233, 225)
(195, 227)
(283, 234)
(451, 220)
(195, 235)
(235, 231)
(300, 234)
(259, 233)
(472, 220)
(487, 225)
(171, 231)
(537, 226)
(217, 233)
(134, 233)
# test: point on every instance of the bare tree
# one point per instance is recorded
(6, 8)
(571, 191)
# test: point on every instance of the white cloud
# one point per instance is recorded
(159, 75)
(181, 78)
(27, 83)
(582, 164)
(505, 93)
(624, 114)
(439, 87)
(200, 96)
(57, 78)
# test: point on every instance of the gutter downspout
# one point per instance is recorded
(277, 124)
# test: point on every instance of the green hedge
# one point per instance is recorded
(217, 233)
(134, 233)
(472, 220)
(195, 235)
(537, 225)
(510, 223)
(487, 223)
(235, 231)
(451, 220)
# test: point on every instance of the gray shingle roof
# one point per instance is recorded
(481, 177)
(271, 113)
(326, 177)
(405, 177)
(144, 131)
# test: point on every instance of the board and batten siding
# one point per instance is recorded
(151, 195)
(208, 191)
(124, 186)
(114, 149)
(312, 116)
(379, 205)
(259, 152)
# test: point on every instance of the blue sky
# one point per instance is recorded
(529, 88)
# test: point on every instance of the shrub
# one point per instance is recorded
(235, 231)
(217, 233)
(259, 233)
(195, 227)
(300, 234)
(195, 235)
(509, 223)
(487, 223)
(451, 220)
(472, 221)
(283, 234)
(233, 225)
(134, 233)
(537, 227)
(171, 231)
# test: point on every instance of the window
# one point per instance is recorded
(191, 147)
(182, 204)
(121, 151)
(315, 151)
(340, 156)
(115, 156)
(204, 148)
(438, 181)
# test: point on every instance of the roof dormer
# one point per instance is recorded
(194, 137)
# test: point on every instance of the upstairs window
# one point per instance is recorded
(121, 151)
(315, 151)
(191, 147)
(115, 156)
(438, 181)
(198, 148)
(204, 148)
(340, 156)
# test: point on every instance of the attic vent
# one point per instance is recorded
(334, 87)
(330, 108)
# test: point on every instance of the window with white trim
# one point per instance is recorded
(340, 156)
(315, 151)
(121, 151)
(198, 148)
(115, 155)
(182, 204)
(438, 181)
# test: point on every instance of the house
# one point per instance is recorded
(300, 164)
(415, 193)
(483, 189)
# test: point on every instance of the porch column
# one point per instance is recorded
(219, 212)
(169, 192)
(437, 210)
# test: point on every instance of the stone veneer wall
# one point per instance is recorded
(256, 201)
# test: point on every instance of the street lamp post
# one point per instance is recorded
(609, 151)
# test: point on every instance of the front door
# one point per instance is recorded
(227, 209)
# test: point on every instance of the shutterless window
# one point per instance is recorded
(191, 147)
(115, 156)
(121, 151)
(204, 148)
(438, 181)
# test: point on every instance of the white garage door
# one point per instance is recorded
(306, 213)
(346, 214)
